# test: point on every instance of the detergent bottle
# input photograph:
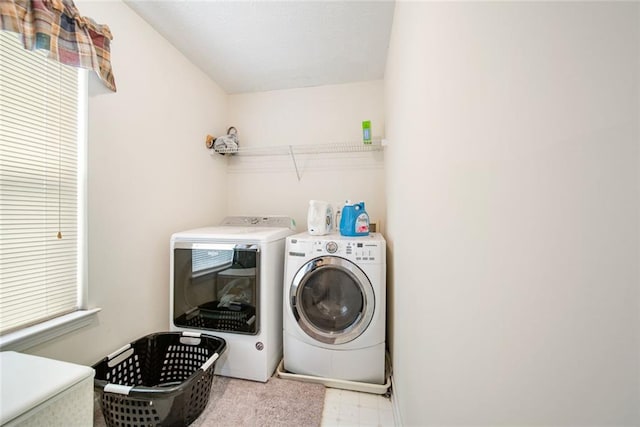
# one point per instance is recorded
(354, 220)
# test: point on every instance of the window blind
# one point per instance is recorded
(38, 186)
(209, 259)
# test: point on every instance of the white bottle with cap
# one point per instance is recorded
(319, 218)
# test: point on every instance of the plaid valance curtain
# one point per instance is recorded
(56, 26)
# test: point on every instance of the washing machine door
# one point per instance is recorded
(332, 300)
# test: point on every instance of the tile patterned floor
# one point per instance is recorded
(350, 408)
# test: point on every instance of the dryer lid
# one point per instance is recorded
(260, 221)
(256, 229)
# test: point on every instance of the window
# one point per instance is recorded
(42, 108)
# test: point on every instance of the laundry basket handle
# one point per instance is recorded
(119, 351)
(210, 361)
(197, 335)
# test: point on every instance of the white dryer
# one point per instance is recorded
(335, 307)
(226, 280)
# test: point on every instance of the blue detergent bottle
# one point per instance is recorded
(354, 220)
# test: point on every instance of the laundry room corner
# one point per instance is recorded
(319, 213)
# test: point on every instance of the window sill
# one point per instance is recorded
(40, 333)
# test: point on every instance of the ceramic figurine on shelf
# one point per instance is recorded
(227, 144)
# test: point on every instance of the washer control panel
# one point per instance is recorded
(363, 252)
(352, 250)
(357, 249)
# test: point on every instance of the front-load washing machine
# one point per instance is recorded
(226, 280)
(334, 307)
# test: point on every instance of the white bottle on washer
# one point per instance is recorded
(319, 218)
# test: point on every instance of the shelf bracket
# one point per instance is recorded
(295, 164)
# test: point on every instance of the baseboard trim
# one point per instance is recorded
(397, 418)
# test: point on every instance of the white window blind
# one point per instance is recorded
(38, 186)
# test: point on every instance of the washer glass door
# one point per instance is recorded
(332, 300)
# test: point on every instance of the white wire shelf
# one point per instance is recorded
(295, 150)
(292, 150)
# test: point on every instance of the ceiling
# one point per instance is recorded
(253, 46)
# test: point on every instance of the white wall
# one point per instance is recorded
(315, 115)
(149, 175)
(513, 206)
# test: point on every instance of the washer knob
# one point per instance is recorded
(332, 247)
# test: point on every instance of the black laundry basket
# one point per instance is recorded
(239, 319)
(162, 379)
